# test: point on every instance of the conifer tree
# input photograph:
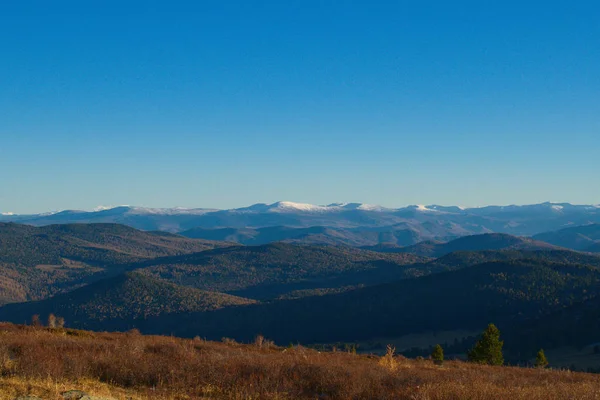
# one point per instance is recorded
(437, 355)
(540, 359)
(488, 350)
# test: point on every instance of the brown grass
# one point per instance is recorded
(45, 362)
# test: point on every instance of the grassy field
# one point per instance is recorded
(46, 362)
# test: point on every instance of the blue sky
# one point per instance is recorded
(228, 103)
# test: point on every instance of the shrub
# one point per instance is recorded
(388, 360)
(259, 340)
(35, 321)
(52, 321)
(227, 340)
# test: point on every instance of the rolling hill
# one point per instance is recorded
(462, 259)
(489, 241)
(506, 293)
(39, 262)
(116, 303)
(583, 238)
(260, 236)
(94, 244)
(399, 235)
(276, 269)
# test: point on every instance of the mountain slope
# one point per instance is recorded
(38, 262)
(506, 293)
(124, 298)
(595, 248)
(462, 259)
(584, 238)
(396, 235)
(279, 268)
(95, 244)
(490, 241)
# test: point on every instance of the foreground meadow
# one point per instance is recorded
(46, 362)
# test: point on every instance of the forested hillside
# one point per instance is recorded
(116, 303)
(509, 292)
(38, 262)
(271, 270)
(488, 241)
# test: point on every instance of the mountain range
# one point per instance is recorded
(431, 222)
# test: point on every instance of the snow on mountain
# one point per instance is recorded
(289, 206)
(372, 207)
(448, 220)
(169, 211)
(422, 208)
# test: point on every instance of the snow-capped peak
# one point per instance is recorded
(371, 207)
(170, 211)
(291, 206)
(104, 208)
(423, 208)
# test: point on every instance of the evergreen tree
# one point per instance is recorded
(488, 350)
(437, 355)
(540, 359)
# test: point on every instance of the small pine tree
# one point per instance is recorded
(488, 349)
(437, 355)
(540, 359)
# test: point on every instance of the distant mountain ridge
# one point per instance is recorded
(489, 241)
(399, 235)
(582, 238)
(522, 220)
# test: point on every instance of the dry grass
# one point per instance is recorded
(128, 365)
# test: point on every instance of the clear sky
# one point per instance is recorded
(227, 103)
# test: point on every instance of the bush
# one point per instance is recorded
(388, 361)
(52, 321)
